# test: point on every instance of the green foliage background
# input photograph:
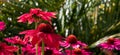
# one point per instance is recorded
(89, 20)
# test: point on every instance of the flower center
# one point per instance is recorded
(46, 28)
(71, 39)
(1, 48)
(48, 52)
(111, 40)
(77, 51)
(35, 11)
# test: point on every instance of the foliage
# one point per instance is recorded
(89, 20)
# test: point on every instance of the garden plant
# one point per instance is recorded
(59, 27)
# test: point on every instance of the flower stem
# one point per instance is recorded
(21, 50)
(70, 49)
(36, 24)
(42, 53)
(36, 48)
(18, 52)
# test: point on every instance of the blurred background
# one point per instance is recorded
(89, 20)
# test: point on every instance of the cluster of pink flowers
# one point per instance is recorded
(111, 44)
(74, 47)
(43, 33)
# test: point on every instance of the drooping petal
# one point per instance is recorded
(26, 17)
(107, 46)
(30, 32)
(38, 38)
(47, 15)
(15, 40)
(80, 45)
(7, 50)
(29, 35)
(31, 20)
(64, 44)
(52, 40)
(12, 48)
(23, 18)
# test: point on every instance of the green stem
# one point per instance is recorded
(36, 48)
(18, 52)
(21, 50)
(36, 24)
(42, 53)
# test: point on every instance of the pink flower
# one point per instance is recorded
(111, 44)
(7, 50)
(15, 40)
(77, 51)
(117, 44)
(43, 14)
(35, 14)
(2, 26)
(45, 33)
(72, 40)
(29, 50)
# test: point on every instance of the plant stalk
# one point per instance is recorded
(36, 48)
(42, 53)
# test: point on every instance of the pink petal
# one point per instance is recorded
(31, 20)
(35, 10)
(52, 40)
(11, 48)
